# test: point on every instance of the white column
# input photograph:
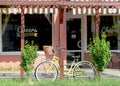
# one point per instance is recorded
(0, 30)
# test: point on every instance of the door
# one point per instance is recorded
(74, 39)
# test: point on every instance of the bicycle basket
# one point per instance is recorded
(47, 49)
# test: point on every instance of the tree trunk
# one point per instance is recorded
(97, 73)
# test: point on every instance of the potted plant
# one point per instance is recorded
(29, 55)
(100, 52)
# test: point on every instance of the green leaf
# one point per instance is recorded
(28, 57)
(100, 51)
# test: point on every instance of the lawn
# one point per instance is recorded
(66, 82)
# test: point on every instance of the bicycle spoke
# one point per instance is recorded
(46, 71)
(84, 70)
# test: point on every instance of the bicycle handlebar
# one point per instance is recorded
(60, 48)
(57, 47)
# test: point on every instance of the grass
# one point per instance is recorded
(65, 82)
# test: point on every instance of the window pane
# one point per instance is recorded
(74, 34)
(10, 40)
(108, 24)
(105, 25)
(38, 28)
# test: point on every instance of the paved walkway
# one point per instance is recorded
(112, 73)
(16, 74)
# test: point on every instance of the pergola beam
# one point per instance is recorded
(60, 3)
(91, 3)
(30, 3)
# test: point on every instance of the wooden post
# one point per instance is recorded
(97, 21)
(56, 31)
(1, 30)
(22, 36)
(61, 16)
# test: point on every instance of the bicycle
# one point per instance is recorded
(49, 70)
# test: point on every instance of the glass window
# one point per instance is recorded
(108, 24)
(10, 40)
(38, 28)
(74, 34)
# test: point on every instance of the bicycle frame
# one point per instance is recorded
(67, 71)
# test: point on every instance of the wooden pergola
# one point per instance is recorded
(61, 5)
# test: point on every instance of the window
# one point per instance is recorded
(38, 28)
(74, 34)
(108, 24)
(10, 40)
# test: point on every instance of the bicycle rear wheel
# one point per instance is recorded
(46, 71)
(84, 70)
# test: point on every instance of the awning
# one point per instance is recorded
(75, 11)
(52, 6)
(29, 10)
(90, 11)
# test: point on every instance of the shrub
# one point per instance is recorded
(29, 55)
(100, 52)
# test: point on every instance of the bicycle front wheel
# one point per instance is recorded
(84, 70)
(46, 71)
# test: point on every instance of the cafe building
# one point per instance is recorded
(69, 24)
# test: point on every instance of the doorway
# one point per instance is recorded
(75, 43)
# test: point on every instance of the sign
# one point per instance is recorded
(29, 31)
(109, 29)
